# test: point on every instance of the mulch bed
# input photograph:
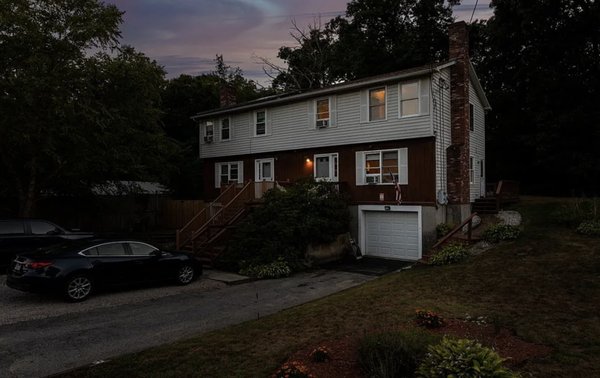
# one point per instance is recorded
(344, 351)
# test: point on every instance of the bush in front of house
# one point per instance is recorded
(500, 232)
(450, 254)
(589, 228)
(462, 358)
(394, 354)
(428, 319)
(443, 229)
(276, 269)
(287, 222)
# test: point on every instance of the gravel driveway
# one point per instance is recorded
(40, 335)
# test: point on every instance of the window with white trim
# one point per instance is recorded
(209, 132)
(322, 113)
(228, 172)
(225, 129)
(409, 99)
(326, 167)
(260, 123)
(382, 167)
(377, 104)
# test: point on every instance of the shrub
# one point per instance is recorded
(394, 354)
(589, 228)
(443, 229)
(499, 232)
(276, 269)
(429, 319)
(288, 221)
(320, 354)
(575, 212)
(292, 369)
(462, 358)
(450, 254)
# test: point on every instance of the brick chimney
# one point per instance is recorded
(226, 95)
(457, 154)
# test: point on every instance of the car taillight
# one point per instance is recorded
(39, 264)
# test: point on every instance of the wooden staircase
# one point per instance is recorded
(202, 234)
(502, 193)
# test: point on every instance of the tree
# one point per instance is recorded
(374, 37)
(540, 65)
(71, 119)
(186, 96)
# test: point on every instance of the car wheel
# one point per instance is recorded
(78, 288)
(185, 274)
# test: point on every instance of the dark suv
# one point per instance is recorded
(27, 235)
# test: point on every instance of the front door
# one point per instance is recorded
(264, 171)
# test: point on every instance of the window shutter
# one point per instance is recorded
(268, 123)
(311, 114)
(333, 111)
(360, 171)
(251, 122)
(424, 88)
(364, 106)
(403, 166)
(217, 175)
(240, 172)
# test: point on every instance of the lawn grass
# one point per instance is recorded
(545, 286)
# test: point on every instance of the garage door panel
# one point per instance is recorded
(392, 234)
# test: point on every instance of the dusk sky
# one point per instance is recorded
(185, 35)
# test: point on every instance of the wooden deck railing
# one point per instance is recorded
(184, 234)
(468, 222)
(222, 211)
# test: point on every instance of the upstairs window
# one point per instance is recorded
(209, 132)
(322, 114)
(225, 130)
(377, 104)
(471, 118)
(409, 99)
(260, 123)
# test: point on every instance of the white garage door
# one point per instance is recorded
(392, 235)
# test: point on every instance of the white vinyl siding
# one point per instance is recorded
(477, 145)
(226, 172)
(378, 166)
(292, 126)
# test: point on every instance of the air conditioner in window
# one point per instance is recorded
(208, 139)
(321, 124)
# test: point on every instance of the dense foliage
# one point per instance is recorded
(394, 354)
(72, 118)
(500, 232)
(449, 254)
(462, 358)
(289, 220)
(275, 269)
(589, 228)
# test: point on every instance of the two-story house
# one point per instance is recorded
(422, 128)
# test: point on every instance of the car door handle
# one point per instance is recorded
(138, 262)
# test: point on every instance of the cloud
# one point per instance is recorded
(185, 35)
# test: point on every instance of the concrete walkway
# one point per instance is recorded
(63, 336)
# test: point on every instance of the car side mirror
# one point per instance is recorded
(156, 253)
(54, 232)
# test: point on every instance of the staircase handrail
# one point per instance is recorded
(469, 220)
(178, 242)
(218, 213)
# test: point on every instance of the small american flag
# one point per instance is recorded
(397, 187)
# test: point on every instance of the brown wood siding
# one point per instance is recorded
(292, 165)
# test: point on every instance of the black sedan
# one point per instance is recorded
(76, 269)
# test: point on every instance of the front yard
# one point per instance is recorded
(545, 287)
